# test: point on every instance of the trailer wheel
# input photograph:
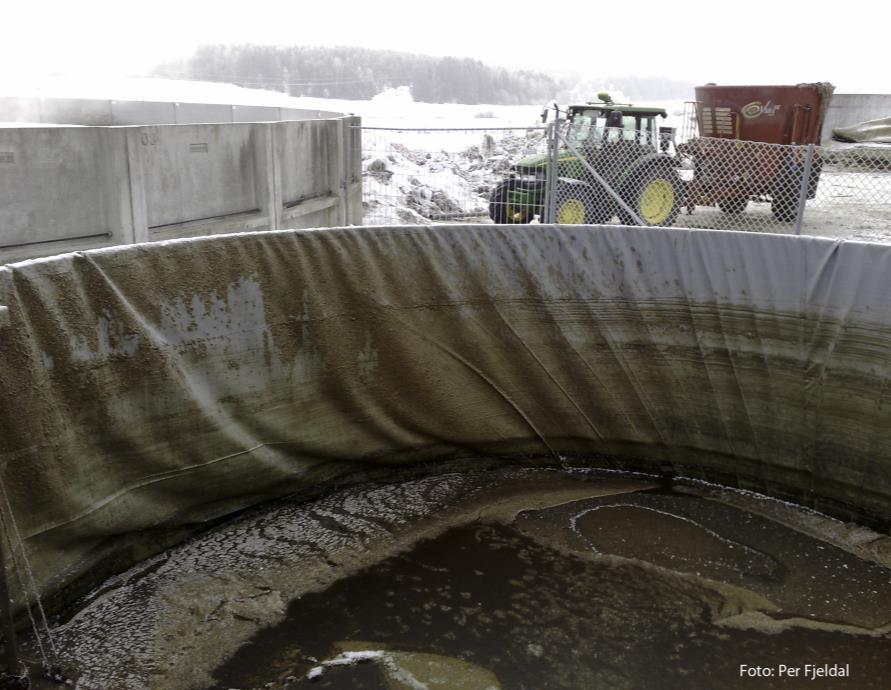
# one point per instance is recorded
(784, 206)
(577, 203)
(734, 205)
(504, 211)
(656, 196)
(787, 192)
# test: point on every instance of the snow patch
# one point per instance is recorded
(425, 183)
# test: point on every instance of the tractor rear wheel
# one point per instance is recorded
(578, 203)
(655, 194)
(784, 205)
(503, 211)
(786, 193)
(734, 205)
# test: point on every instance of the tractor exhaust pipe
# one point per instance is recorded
(666, 137)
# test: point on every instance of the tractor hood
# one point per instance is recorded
(540, 161)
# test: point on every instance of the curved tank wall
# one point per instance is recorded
(112, 113)
(147, 388)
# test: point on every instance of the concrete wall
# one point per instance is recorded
(846, 109)
(144, 389)
(94, 112)
(73, 188)
(63, 188)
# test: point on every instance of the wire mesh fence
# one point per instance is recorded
(834, 191)
(628, 171)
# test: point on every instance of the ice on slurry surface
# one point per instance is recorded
(618, 591)
(800, 574)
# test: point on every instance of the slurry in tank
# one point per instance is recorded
(647, 590)
(499, 578)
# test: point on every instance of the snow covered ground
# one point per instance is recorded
(423, 177)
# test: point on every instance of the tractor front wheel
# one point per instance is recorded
(784, 206)
(577, 203)
(503, 210)
(656, 196)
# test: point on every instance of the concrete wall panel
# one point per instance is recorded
(299, 114)
(80, 111)
(200, 113)
(195, 172)
(305, 176)
(249, 113)
(142, 113)
(58, 184)
(65, 188)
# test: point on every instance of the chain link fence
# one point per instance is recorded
(628, 171)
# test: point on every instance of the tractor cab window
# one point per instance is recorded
(580, 129)
(624, 129)
(648, 130)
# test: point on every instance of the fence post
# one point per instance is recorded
(551, 182)
(337, 215)
(805, 184)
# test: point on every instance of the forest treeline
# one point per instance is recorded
(361, 73)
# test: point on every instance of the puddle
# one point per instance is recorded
(637, 591)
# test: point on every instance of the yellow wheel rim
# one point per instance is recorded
(571, 212)
(656, 201)
(514, 215)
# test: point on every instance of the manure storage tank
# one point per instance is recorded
(469, 456)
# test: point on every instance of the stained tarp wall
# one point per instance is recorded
(150, 387)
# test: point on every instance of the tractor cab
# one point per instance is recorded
(603, 122)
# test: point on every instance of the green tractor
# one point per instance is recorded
(630, 154)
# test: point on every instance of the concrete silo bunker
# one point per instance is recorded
(513, 399)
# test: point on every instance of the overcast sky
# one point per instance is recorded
(759, 41)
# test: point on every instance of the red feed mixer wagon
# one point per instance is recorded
(729, 173)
